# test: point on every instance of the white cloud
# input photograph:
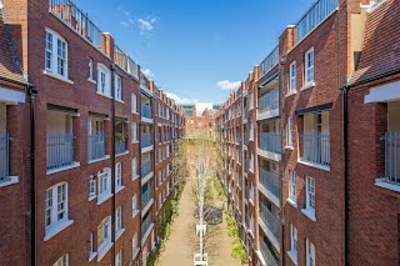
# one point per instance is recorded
(180, 100)
(146, 24)
(227, 85)
(200, 106)
(148, 73)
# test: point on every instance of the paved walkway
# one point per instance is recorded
(180, 246)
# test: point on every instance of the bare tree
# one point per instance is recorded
(199, 159)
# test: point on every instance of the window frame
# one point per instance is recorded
(102, 69)
(309, 69)
(62, 261)
(55, 56)
(118, 88)
(292, 77)
(104, 233)
(310, 253)
(118, 176)
(54, 213)
(292, 186)
(310, 194)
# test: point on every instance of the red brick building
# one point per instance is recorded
(94, 169)
(312, 186)
(373, 142)
(15, 159)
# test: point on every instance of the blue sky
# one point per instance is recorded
(196, 49)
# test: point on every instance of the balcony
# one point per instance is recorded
(96, 147)
(267, 254)
(146, 198)
(4, 157)
(271, 145)
(60, 150)
(269, 62)
(120, 145)
(270, 186)
(268, 105)
(146, 166)
(77, 20)
(314, 17)
(392, 158)
(146, 224)
(145, 141)
(271, 225)
(126, 63)
(147, 115)
(316, 149)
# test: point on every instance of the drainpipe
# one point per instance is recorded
(346, 176)
(113, 218)
(346, 89)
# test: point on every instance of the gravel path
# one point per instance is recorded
(179, 248)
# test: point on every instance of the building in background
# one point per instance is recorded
(302, 185)
(198, 120)
(89, 198)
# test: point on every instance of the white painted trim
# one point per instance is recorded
(384, 93)
(270, 235)
(147, 178)
(9, 180)
(64, 168)
(54, 230)
(381, 182)
(147, 234)
(310, 214)
(58, 77)
(292, 254)
(147, 207)
(104, 250)
(11, 96)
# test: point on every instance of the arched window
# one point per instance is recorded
(103, 80)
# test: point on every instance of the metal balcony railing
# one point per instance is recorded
(60, 150)
(146, 197)
(270, 182)
(315, 16)
(146, 225)
(271, 141)
(268, 255)
(96, 147)
(316, 148)
(392, 157)
(269, 102)
(125, 62)
(146, 167)
(269, 62)
(120, 145)
(4, 156)
(146, 111)
(77, 19)
(146, 140)
(271, 222)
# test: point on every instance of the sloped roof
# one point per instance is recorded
(9, 66)
(381, 48)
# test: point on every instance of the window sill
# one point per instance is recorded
(9, 180)
(118, 189)
(58, 77)
(92, 197)
(135, 142)
(99, 160)
(135, 112)
(103, 197)
(318, 166)
(119, 233)
(136, 176)
(104, 95)
(122, 153)
(289, 147)
(310, 214)
(92, 255)
(64, 168)
(55, 229)
(92, 81)
(308, 86)
(291, 93)
(382, 183)
(103, 250)
(135, 213)
(291, 202)
(292, 254)
(120, 101)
